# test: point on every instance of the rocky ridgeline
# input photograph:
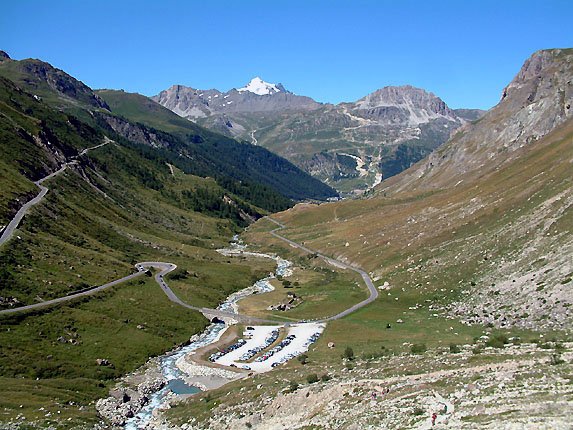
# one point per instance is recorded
(57, 80)
(385, 127)
(535, 102)
(193, 103)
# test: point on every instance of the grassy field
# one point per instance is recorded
(48, 357)
(322, 292)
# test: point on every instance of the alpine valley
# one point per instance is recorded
(164, 267)
(350, 146)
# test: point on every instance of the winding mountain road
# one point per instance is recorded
(11, 227)
(166, 268)
(371, 288)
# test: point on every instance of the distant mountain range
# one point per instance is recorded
(351, 146)
(256, 96)
(143, 122)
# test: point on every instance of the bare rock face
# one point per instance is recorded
(193, 103)
(535, 102)
(404, 104)
(4, 56)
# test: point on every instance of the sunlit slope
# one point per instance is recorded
(537, 100)
(489, 242)
(113, 207)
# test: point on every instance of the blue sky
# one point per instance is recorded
(463, 51)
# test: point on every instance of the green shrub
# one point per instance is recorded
(454, 349)
(293, 386)
(418, 348)
(498, 341)
(302, 358)
(312, 378)
(348, 353)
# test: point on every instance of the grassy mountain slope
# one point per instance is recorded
(35, 141)
(238, 160)
(113, 208)
(205, 153)
(54, 85)
(492, 236)
(473, 319)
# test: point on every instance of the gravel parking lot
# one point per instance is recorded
(301, 337)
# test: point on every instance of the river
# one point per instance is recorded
(172, 374)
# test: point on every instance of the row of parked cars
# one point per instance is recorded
(313, 338)
(254, 351)
(276, 349)
(219, 354)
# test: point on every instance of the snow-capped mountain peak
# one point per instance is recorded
(260, 87)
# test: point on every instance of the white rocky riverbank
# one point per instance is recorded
(139, 396)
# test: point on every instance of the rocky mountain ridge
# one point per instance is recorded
(404, 103)
(257, 96)
(350, 146)
(533, 104)
(45, 80)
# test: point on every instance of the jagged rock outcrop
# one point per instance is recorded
(404, 104)
(534, 103)
(136, 133)
(123, 404)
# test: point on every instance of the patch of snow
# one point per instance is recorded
(377, 179)
(195, 112)
(259, 87)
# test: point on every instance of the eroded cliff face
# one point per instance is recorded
(535, 102)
